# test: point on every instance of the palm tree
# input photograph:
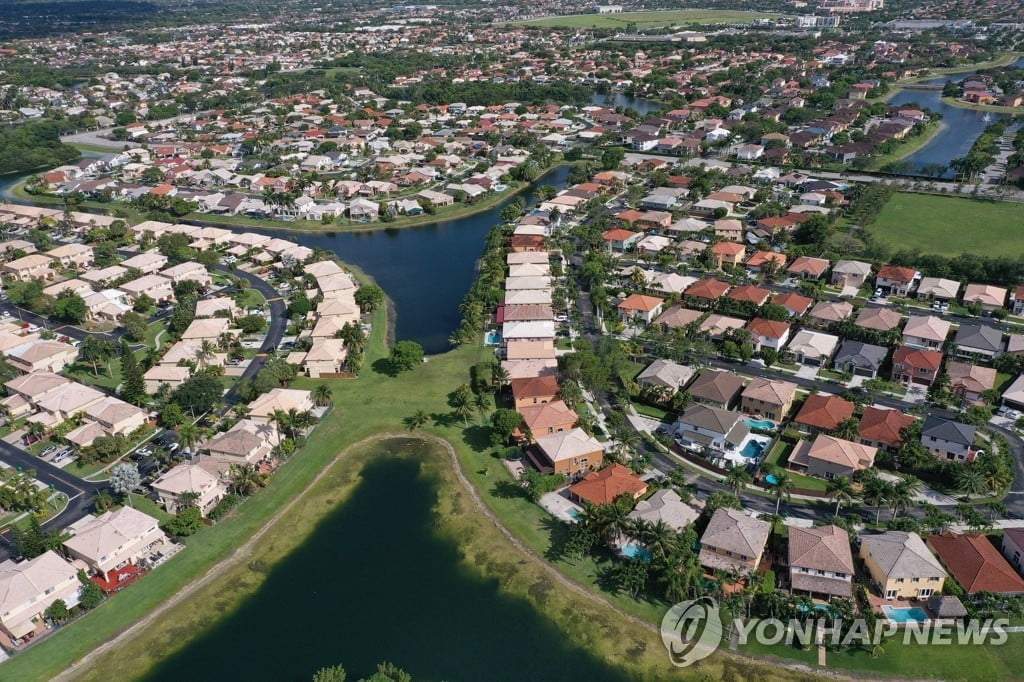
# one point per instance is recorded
(245, 479)
(482, 403)
(737, 478)
(417, 419)
(207, 349)
(781, 488)
(499, 375)
(841, 490)
(659, 538)
(903, 493)
(462, 405)
(971, 480)
(877, 492)
(323, 395)
(187, 499)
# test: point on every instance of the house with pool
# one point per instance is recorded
(820, 562)
(733, 541)
(901, 565)
(828, 457)
(723, 436)
(768, 399)
(976, 563)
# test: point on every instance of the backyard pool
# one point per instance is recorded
(753, 449)
(763, 424)
(635, 552)
(492, 338)
(907, 614)
(770, 479)
(574, 513)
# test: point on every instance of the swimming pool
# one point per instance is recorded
(764, 424)
(574, 513)
(635, 552)
(770, 479)
(492, 338)
(752, 449)
(906, 614)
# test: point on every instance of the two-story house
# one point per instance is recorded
(947, 439)
(733, 541)
(901, 565)
(820, 561)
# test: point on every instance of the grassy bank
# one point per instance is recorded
(1002, 60)
(932, 128)
(995, 108)
(950, 226)
(649, 19)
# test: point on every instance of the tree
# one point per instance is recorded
(405, 355)
(876, 492)
(335, 673)
(504, 422)
(904, 491)
(245, 479)
(538, 484)
(417, 419)
(57, 611)
(181, 317)
(251, 324)
(91, 596)
(95, 351)
(172, 415)
(848, 429)
(134, 327)
(781, 488)
(188, 521)
(461, 400)
(323, 395)
(124, 479)
(188, 436)
(841, 490)
(369, 297)
(737, 478)
(34, 539)
(199, 393)
(971, 480)
(611, 158)
(133, 384)
(769, 355)
(143, 303)
(69, 307)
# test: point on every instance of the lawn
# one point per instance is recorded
(950, 226)
(650, 19)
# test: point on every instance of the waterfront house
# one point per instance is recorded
(607, 485)
(114, 539)
(28, 588)
(901, 565)
(185, 478)
(570, 452)
(820, 561)
(733, 541)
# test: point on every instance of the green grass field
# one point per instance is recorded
(650, 19)
(950, 226)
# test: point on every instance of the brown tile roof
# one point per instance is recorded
(880, 425)
(640, 302)
(707, 288)
(913, 357)
(897, 273)
(795, 302)
(976, 563)
(750, 293)
(604, 486)
(716, 385)
(541, 417)
(535, 387)
(805, 265)
(825, 548)
(824, 411)
(769, 329)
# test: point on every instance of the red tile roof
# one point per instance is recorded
(640, 302)
(707, 288)
(535, 387)
(884, 426)
(824, 411)
(897, 273)
(976, 563)
(604, 486)
(921, 359)
(769, 329)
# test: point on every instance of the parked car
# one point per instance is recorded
(49, 450)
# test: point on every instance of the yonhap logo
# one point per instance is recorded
(691, 631)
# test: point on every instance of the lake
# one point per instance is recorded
(425, 270)
(376, 582)
(962, 126)
(620, 99)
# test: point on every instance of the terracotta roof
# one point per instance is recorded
(976, 563)
(845, 453)
(535, 387)
(618, 235)
(640, 302)
(913, 357)
(708, 288)
(547, 415)
(885, 426)
(825, 548)
(728, 249)
(805, 265)
(896, 273)
(604, 486)
(795, 302)
(769, 329)
(760, 258)
(771, 391)
(750, 293)
(824, 411)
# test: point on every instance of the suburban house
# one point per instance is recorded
(534, 390)
(570, 452)
(666, 506)
(733, 541)
(71, 255)
(42, 356)
(114, 539)
(978, 341)
(989, 297)
(768, 334)
(970, 381)
(795, 304)
(937, 289)
(262, 409)
(619, 240)
(948, 439)
(812, 348)
(1013, 396)
(878, 319)
(768, 398)
(32, 266)
(248, 441)
(728, 253)
(820, 561)
(916, 366)
(821, 413)
(1013, 547)
(895, 280)
(665, 374)
(860, 359)
(901, 565)
(638, 308)
(28, 588)
(850, 273)
(716, 387)
(828, 457)
(713, 429)
(806, 267)
(157, 287)
(925, 331)
(707, 291)
(883, 428)
(976, 564)
(830, 312)
(607, 485)
(547, 418)
(189, 478)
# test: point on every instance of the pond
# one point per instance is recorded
(425, 270)
(621, 99)
(377, 582)
(962, 126)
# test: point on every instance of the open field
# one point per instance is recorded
(950, 226)
(649, 19)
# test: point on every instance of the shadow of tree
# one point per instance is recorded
(508, 490)
(444, 419)
(383, 366)
(477, 437)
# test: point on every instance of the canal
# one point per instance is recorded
(377, 582)
(962, 126)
